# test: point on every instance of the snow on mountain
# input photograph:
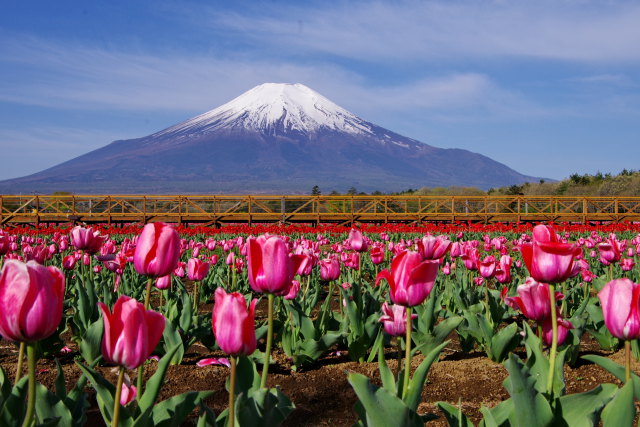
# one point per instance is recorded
(274, 108)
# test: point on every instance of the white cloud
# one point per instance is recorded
(452, 31)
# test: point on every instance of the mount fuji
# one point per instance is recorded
(275, 138)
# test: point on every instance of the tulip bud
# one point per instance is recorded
(157, 250)
(233, 325)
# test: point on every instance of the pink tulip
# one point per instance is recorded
(180, 269)
(547, 259)
(31, 298)
(532, 300)
(329, 269)
(293, 290)
(270, 266)
(157, 251)
(563, 329)
(620, 301)
(410, 279)
(610, 251)
(446, 269)
(432, 247)
(487, 267)
(394, 319)
(353, 261)
(69, 262)
(128, 393)
(233, 325)
(306, 265)
(627, 264)
(163, 282)
(131, 333)
(503, 271)
(357, 241)
(86, 239)
(197, 269)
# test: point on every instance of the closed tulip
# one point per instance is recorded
(233, 324)
(620, 301)
(547, 258)
(394, 319)
(563, 330)
(157, 251)
(487, 267)
(31, 297)
(197, 269)
(86, 239)
(357, 241)
(131, 333)
(270, 266)
(410, 279)
(377, 255)
(329, 269)
(533, 300)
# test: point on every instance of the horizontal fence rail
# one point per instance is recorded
(218, 210)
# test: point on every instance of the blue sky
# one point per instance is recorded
(548, 87)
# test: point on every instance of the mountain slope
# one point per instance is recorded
(275, 138)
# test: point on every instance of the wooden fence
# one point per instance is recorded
(221, 209)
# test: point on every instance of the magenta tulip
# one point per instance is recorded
(31, 298)
(620, 301)
(377, 255)
(157, 250)
(293, 290)
(563, 329)
(410, 279)
(627, 264)
(131, 333)
(86, 239)
(487, 267)
(394, 319)
(357, 241)
(533, 300)
(432, 247)
(329, 269)
(233, 325)
(163, 282)
(610, 251)
(197, 269)
(270, 266)
(547, 259)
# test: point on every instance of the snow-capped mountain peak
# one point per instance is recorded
(275, 108)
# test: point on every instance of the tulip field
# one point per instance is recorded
(372, 325)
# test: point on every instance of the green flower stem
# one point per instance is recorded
(116, 400)
(554, 342)
(627, 359)
(232, 389)
(20, 359)
(195, 297)
(267, 351)
(147, 295)
(399, 344)
(147, 298)
(407, 355)
(31, 396)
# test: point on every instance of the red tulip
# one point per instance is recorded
(394, 319)
(31, 297)
(271, 268)
(131, 333)
(233, 325)
(377, 254)
(157, 250)
(410, 279)
(620, 301)
(547, 259)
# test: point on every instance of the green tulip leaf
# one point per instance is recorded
(173, 411)
(621, 410)
(90, 346)
(153, 385)
(454, 415)
(414, 391)
(50, 409)
(530, 407)
(388, 380)
(583, 409)
(14, 408)
(263, 408)
(498, 416)
(172, 338)
(614, 369)
(382, 408)
(503, 342)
